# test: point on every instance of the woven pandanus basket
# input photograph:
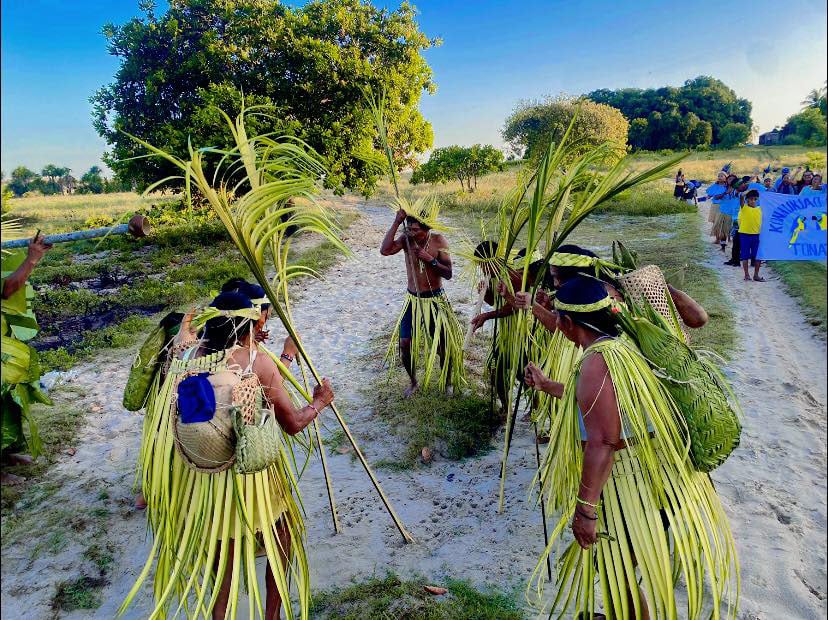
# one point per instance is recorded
(648, 284)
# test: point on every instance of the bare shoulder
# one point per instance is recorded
(439, 241)
(593, 371)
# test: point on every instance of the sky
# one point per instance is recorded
(494, 54)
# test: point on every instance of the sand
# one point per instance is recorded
(773, 486)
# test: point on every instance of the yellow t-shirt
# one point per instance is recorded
(750, 219)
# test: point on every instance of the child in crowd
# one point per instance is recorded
(750, 224)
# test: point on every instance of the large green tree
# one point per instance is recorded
(707, 99)
(310, 63)
(92, 181)
(532, 125)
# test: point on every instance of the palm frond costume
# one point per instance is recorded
(658, 516)
(427, 318)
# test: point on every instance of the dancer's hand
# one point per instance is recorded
(399, 218)
(584, 529)
(523, 300)
(534, 378)
(323, 394)
(542, 298)
(37, 248)
(262, 335)
(504, 292)
(478, 321)
(422, 255)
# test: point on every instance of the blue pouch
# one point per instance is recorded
(196, 399)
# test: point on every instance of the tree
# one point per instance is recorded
(92, 182)
(311, 64)
(807, 127)
(533, 124)
(734, 134)
(817, 99)
(709, 99)
(462, 163)
(21, 180)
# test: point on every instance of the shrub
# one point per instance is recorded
(533, 124)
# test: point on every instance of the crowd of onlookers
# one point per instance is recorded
(735, 211)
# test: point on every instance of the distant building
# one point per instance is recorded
(771, 137)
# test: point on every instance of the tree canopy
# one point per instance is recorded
(690, 115)
(462, 163)
(533, 124)
(807, 127)
(310, 63)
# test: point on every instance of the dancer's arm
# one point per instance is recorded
(534, 378)
(291, 419)
(16, 280)
(548, 318)
(391, 244)
(599, 409)
(691, 312)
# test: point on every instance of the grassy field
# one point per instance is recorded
(54, 214)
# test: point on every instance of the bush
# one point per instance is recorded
(532, 125)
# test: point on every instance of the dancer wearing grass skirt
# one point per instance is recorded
(208, 520)
(427, 328)
(617, 470)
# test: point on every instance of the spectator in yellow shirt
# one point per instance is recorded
(750, 225)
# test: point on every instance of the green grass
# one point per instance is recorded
(132, 279)
(805, 281)
(458, 427)
(54, 214)
(80, 593)
(649, 200)
(392, 597)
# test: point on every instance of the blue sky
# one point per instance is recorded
(493, 55)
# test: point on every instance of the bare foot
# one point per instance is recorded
(140, 502)
(542, 439)
(411, 390)
(11, 479)
(449, 390)
(758, 279)
(19, 459)
(747, 278)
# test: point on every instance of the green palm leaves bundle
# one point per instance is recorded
(700, 390)
(544, 209)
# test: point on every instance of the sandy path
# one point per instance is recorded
(774, 484)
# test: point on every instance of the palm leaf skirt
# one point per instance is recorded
(434, 326)
(652, 484)
(189, 513)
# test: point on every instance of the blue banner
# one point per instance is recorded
(793, 227)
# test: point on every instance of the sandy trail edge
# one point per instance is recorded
(776, 475)
(774, 484)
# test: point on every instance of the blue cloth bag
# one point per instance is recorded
(196, 399)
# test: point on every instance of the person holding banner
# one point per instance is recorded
(750, 225)
(816, 188)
